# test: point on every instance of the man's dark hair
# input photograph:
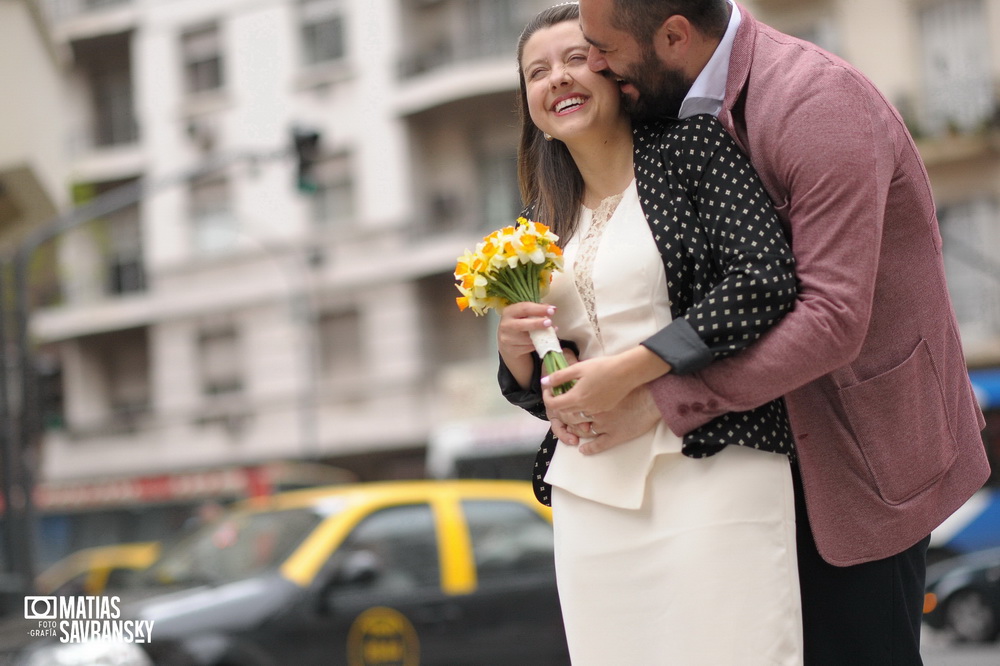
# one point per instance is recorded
(641, 18)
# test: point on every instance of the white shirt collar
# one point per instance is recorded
(709, 89)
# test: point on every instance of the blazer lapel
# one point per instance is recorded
(657, 187)
(739, 71)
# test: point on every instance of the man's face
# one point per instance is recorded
(651, 87)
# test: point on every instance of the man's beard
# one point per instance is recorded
(661, 90)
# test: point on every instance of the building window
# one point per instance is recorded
(501, 197)
(340, 347)
(214, 227)
(220, 361)
(114, 119)
(449, 335)
(958, 90)
(202, 53)
(125, 270)
(493, 25)
(104, 66)
(333, 202)
(973, 270)
(323, 30)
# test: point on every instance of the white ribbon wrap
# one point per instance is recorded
(545, 340)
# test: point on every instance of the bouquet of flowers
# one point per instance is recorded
(514, 265)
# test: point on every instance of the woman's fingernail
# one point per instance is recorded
(551, 310)
(545, 381)
(546, 322)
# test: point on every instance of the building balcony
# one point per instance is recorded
(459, 49)
(455, 81)
(83, 19)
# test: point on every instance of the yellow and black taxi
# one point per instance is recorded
(384, 574)
(97, 570)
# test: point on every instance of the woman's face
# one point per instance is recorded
(565, 98)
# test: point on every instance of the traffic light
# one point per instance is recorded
(306, 142)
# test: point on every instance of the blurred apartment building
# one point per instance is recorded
(229, 320)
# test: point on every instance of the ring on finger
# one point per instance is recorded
(592, 431)
(585, 416)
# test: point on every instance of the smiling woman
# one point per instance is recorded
(582, 113)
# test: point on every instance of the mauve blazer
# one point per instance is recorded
(870, 362)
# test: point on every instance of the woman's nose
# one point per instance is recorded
(560, 76)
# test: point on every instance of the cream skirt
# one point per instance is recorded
(704, 573)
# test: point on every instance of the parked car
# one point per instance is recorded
(93, 571)
(403, 573)
(963, 596)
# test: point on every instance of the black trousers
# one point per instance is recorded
(863, 615)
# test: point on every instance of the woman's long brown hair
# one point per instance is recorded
(547, 176)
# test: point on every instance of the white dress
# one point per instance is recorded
(661, 558)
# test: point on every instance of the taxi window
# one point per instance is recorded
(508, 538)
(121, 578)
(397, 545)
(234, 547)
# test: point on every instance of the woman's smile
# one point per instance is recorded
(569, 103)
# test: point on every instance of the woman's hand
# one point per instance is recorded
(601, 383)
(514, 341)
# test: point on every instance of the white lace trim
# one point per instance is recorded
(583, 268)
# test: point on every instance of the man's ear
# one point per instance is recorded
(673, 38)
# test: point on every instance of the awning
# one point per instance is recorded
(986, 384)
(221, 483)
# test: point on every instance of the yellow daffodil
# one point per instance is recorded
(512, 265)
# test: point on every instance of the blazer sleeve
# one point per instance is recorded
(742, 276)
(830, 147)
(529, 399)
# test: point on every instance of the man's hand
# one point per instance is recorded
(635, 415)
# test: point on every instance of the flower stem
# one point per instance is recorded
(553, 361)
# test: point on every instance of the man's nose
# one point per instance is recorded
(595, 60)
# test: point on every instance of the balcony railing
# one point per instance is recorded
(447, 53)
(61, 10)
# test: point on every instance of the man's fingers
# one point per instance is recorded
(563, 433)
(597, 444)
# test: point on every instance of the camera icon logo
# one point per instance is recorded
(40, 608)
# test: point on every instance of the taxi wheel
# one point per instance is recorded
(972, 618)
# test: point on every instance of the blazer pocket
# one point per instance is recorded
(900, 424)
